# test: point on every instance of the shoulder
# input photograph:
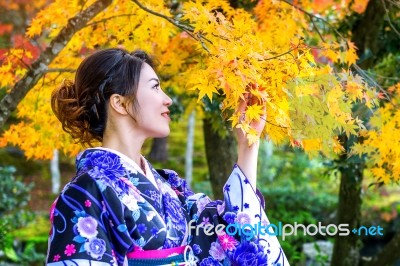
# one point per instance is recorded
(80, 189)
(90, 184)
(177, 183)
(80, 181)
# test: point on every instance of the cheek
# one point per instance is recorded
(147, 117)
(146, 102)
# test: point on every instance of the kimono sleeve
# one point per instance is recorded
(233, 231)
(88, 226)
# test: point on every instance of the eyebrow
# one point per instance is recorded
(154, 80)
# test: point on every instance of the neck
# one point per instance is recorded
(128, 144)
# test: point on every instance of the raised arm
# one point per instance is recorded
(247, 154)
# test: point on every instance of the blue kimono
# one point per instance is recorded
(112, 212)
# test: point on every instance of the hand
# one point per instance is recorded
(257, 126)
(247, 154)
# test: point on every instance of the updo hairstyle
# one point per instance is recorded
(81, 106)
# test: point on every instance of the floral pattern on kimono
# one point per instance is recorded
(110, 209)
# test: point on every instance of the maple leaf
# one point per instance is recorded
(351, 54)
(254, 112)
(232, 48)
(380, 174)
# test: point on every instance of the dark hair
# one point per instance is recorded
(81, 106)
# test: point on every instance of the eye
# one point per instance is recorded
(157, 86)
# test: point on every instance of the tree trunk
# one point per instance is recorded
(366, 31)
(159, 150)
(221, 155)
(346, 251)
(189, 149)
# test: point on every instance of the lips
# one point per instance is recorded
(166, 115)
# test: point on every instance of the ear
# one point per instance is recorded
(117, 103)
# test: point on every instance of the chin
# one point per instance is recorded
(162, 134)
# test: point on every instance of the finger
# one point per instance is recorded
(242, 103)
(264, 115)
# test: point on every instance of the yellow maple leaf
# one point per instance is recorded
(254, 112)
(380, 174)
(337, 147)
(351, 54)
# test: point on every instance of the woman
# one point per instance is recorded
(119, 210)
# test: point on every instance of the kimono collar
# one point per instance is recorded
(105, 158)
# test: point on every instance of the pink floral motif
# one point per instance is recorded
(227, 242)
(56, 257)
(69, 250)
(88, 203)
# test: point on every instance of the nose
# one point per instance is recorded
(167, 100)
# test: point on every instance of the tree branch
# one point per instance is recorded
(389, 255)
(282, 54)
(316, 28)
(395, 3)
(105, 19)
(355, 66)
(187, 28)
(60, 70)
(370, 80)
(311, 16)
(10, 101)
(175, 22)
(272, 124)
(388, 18)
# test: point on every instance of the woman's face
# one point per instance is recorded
(153, 117)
